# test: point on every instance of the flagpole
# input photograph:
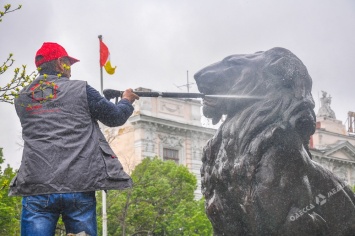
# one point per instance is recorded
(104, 212)
(101, 74)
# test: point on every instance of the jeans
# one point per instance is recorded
(40, 213)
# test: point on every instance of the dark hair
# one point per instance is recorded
(47, 67)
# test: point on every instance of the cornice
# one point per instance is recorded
(331, 159)
(169, 124)
(321, 130)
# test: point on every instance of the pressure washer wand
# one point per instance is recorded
(111, 93)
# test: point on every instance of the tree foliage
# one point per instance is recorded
(161, 202)
(10, 207)
(7, 9)
(10, 87)
(190, 219)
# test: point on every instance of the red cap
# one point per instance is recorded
(52, 51)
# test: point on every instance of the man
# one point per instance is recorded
(65, 156)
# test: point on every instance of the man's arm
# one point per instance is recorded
(107, 112)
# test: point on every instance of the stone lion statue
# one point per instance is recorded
(258, 177)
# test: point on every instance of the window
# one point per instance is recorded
(171, 154)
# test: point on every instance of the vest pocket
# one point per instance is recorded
(113, 167)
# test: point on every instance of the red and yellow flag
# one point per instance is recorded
(105, 59)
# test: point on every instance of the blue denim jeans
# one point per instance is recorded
(40, 213)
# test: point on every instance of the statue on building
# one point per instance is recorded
(257, 174)
(325, 110)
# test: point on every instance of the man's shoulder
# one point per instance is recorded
(77, 81)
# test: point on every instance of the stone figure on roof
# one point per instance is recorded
(325, 110)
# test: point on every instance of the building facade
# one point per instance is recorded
(332, 145)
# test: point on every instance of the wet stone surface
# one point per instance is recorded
(258, 176)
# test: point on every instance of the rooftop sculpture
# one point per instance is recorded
(325, 110)
(257, 174)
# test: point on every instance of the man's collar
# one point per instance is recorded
(49, 73)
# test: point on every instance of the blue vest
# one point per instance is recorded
(64, 149)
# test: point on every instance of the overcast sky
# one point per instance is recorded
(154, 43)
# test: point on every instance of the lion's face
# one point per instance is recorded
(274, 74)
(213, 80)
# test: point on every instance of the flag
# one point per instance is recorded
(105, 59)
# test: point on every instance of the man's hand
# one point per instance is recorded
(130, 95)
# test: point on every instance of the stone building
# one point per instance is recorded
(332, 145)
(164, 127)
